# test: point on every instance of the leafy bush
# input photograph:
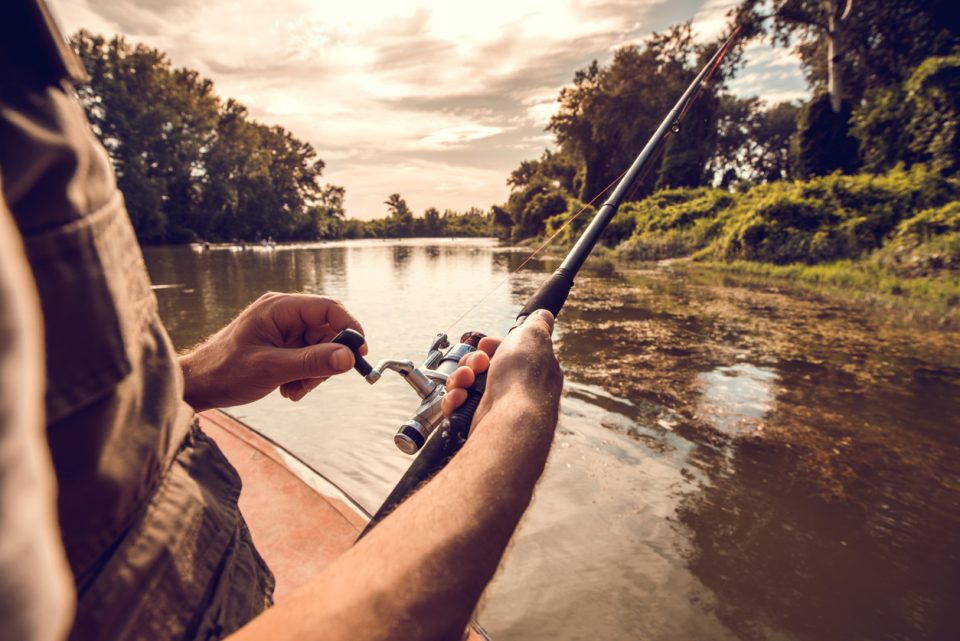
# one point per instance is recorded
(924, 244)
(934, 93)
(823, 143)
(826, 219)
(915, 121)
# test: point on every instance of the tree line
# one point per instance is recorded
(400, 222)
(886, 92)
(194, 166)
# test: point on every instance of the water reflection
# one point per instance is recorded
(401, 254)
(736, 398)
(821, 471)
(734, 461)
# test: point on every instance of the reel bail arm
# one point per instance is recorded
(428, 381)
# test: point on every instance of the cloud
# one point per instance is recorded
(771, 73)
(459, 135)
(437, 100)
(711, 19)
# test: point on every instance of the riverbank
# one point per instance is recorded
(928, 301)
(893, 238)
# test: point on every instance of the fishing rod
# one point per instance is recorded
(429, 379)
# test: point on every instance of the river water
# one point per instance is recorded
(734, 460)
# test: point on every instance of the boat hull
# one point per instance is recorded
(299, 521)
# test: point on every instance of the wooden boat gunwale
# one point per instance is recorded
(286, 543)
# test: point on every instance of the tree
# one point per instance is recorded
(917, 121)
(431, 222)
(325, 219)
(753, 142)
(609, 113)
(189, 164)
(501, 222)
(772, 133)
(823, 142)
(877, 43)
(854, 53)
(400, 219)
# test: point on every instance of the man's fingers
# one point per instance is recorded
(315, 312)
(462, 377)
(477, 361)
(312, 362)
(452, 400)
(312, 383)
(296, 390)
(489, 345)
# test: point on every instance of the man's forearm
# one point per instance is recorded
(419, 573)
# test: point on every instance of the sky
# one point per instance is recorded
(436, 100)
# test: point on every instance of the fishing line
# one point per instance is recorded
(535, 252)
(713, 69)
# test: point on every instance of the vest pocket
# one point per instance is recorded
(84, 272)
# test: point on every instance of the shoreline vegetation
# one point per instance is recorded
(896, 235)
(859, 191)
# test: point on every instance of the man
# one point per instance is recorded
(141, 528)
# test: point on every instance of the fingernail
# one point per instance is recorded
(546, 316)
(341, 359)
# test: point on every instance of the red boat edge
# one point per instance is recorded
(299, 520)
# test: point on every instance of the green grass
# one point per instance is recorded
(937, 296)
(895, 235)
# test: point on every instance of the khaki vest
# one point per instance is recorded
(147, 503)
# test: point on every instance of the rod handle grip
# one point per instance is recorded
(461, 419)
(551, 295)
(440, 448)
(354, 340)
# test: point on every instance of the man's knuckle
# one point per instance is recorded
(312, 362)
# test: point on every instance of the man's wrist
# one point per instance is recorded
(192, 392)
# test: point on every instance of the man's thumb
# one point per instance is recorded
(541, 315)
(315, 361)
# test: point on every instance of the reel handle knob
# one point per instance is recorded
(354, 340)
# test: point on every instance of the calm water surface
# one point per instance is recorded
(734, 460)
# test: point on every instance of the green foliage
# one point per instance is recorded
(882, 41)
(539, 189)
(930, 223)
(879, 125)
(400, 223)
(939, 293)
(190, 165)
(823, 143)
(916, 121)
(688, 152)
(933, 92)
(431, 225)
(924, 245)
(501, 222)
(473, 222)
(609, 113)
(537, 210)
(569, 220)
(753, 142)
(674, 223)
(823, 220)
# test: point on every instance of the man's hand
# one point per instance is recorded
(525, 371)
(451, 533)
(279, 340)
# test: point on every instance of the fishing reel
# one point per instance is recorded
(428, 381)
